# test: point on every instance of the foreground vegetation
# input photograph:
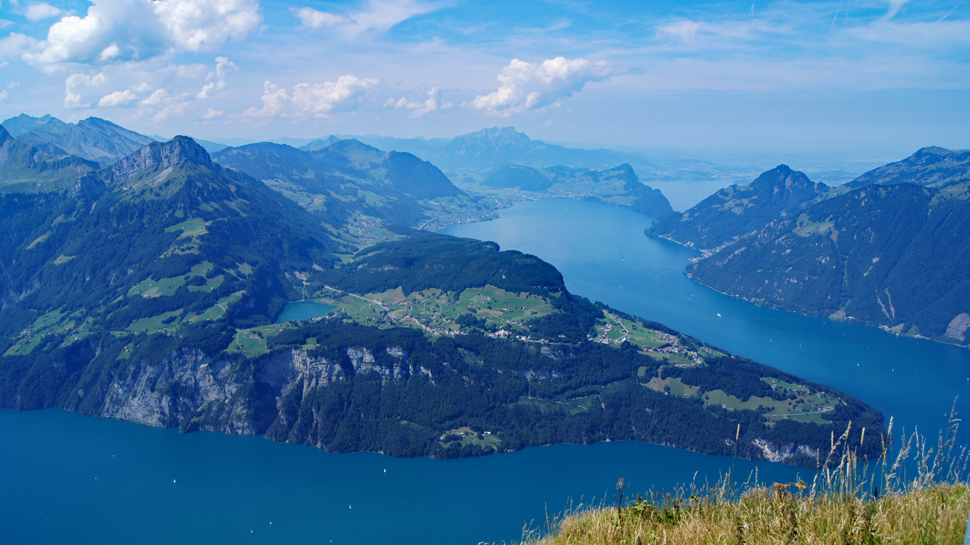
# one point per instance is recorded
(917, 494)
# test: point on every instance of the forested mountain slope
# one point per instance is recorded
(345, 178)
(930, 167)
(150, 294)
(892, 252)
(894, 256)
(740, 209)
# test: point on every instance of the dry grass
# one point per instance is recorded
(934, 514)
(915, 494)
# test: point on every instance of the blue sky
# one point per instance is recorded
(786, 75)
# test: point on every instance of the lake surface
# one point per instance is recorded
(603, 255)
(67, 478)
(303, 310)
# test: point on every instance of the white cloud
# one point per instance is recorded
(110, 52)
(202, 25)
(149, 88)
(3, 95)
(36, 12)
(377, 15)
(418, 109)
(223, 67)
(212, 113)
(320, 100)
(124, 30)
(719, 35)
(15, 45)
(527, 86)
(117, 98)
(894, 6)
(79, 87)
(685, 31)
(155, 98)
(175, 109)
(315, 20)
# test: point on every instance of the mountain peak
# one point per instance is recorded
(781, 176)
(321, 143)
(931, 150)
(931, 166)
(24, 123)
(159, 156)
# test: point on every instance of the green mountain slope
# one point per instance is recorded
(151, 296)
(894, 256)
(618, 185)
(24, 168)
(930, 167)
(735, 211)
(346, 180)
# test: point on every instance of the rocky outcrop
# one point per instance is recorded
(782, 453)
(191, 391)
(958, 326)
(364, 362)
(157, 157)
(184, 387)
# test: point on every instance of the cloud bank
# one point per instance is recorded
(316, 101)
(527, 86)
(126, 30)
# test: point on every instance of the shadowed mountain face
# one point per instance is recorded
(93, 138)
(24, 168)
(342, 177)
(893, 256)
(737, 210)
(930, 167)
(892, 252)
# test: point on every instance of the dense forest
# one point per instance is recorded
(887, 255)
(138, 295)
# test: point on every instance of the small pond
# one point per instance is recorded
(303, 310)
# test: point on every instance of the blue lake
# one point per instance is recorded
(73, 479)
(303, 310)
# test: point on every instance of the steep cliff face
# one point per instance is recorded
(181, 388)
(191, 391)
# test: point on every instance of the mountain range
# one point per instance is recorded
(619, 185)
(739, 209)
(887, 249)
(472, 157)
(149, 291)
(93, 138)
(24, 168)
(346, 178)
